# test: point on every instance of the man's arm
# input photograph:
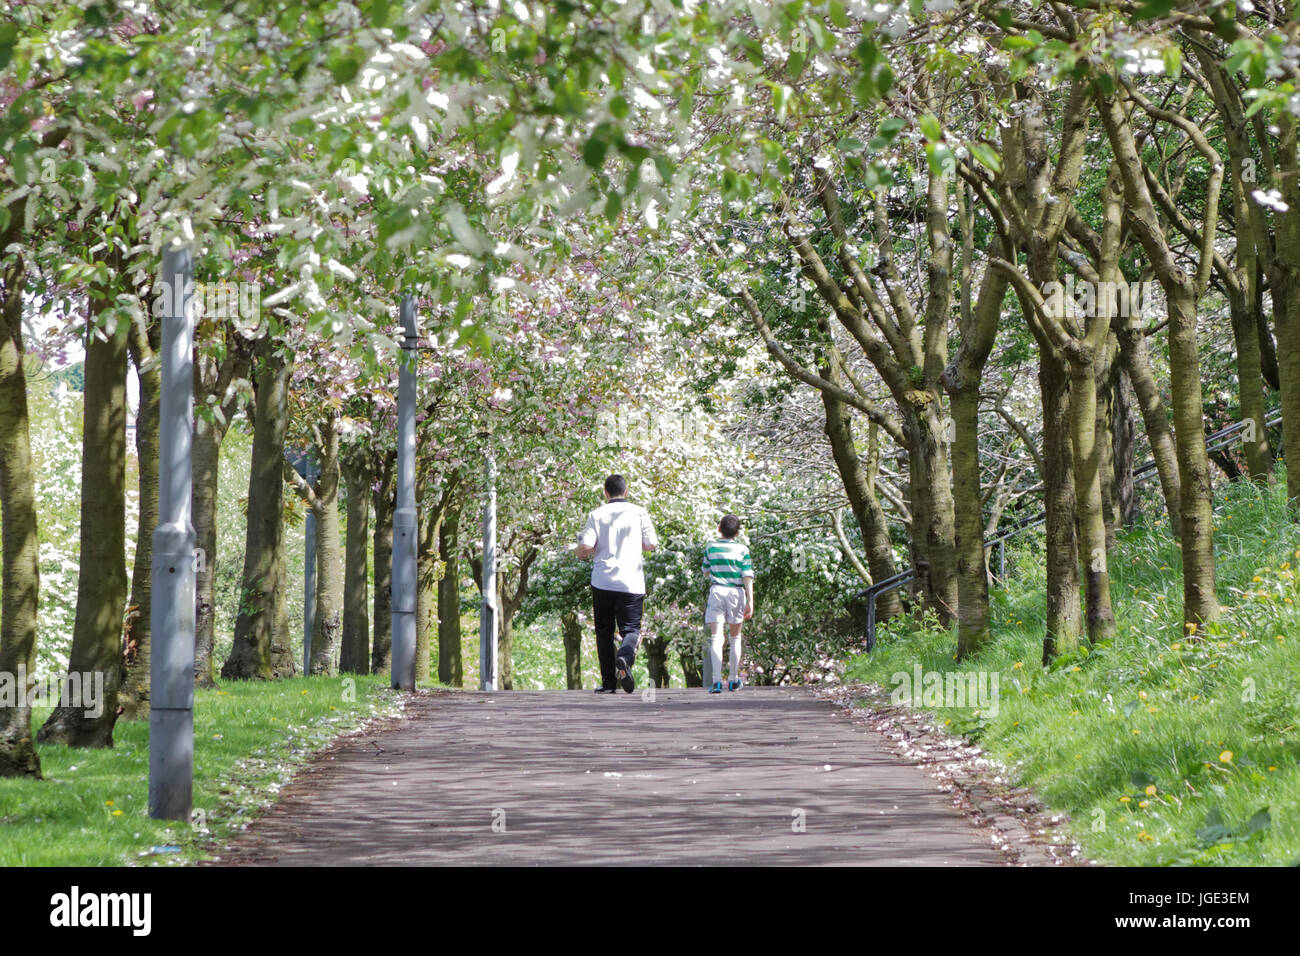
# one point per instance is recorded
(587, 540)
(649, 540)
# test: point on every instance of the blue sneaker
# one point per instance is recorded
(716, 688)
(735, 684)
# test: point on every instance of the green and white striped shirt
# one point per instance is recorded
(727, 562)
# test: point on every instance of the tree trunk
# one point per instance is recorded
(1200, 600)
(206, 462)
(381, 659)
(450, 668)
(1250, 385)
(1099, 616)
(656, 660)
(972, 581)
(862, 498)
(1124, 437)
(572, 630)
(1284, 273)
(505, 636)
(327, 623)
(213, 388)
(1063, 611)
(18, 537)
(143, 343)
(1137, 364)
(1107, 385)
(354, 657)
(426, 596)
(101, 580)
(261, 606)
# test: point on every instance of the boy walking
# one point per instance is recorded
(730, 573)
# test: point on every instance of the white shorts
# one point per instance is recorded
(726, 603)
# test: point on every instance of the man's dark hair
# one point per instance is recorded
(615, 486)
(729, 526)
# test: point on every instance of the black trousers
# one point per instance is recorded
(615, 609)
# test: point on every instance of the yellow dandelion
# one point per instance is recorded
(117, 813)
(1271, 769)
(1144, 804)
(1151, 709)
(1076, 667)
(1125, 799)
(1078, 756)
(1256, 579)
(1225, 757)
(1175, 647)
(1019, 664)
(1191, 627)
(108, 803)
(1136, 731)
(1143, 835)
(1150, 790)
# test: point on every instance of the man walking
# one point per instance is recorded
(616, 535)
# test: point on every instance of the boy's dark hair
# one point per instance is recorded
(615, 486)
(729, 526)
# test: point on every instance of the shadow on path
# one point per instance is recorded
(570, 777)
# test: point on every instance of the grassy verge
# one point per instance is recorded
(92, 807)
(1166, 748)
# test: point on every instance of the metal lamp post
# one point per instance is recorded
(487, 626)
(171, 666)
(404, 518)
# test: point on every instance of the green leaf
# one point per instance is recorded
(986, 155)
(1214, 831)
(838, 16)
(594, 149)
(1173, 60)
(1261, 821)
(344, 67)
(1131, 706)
(8, 40)
(1151, 9)
(794, 66)
(613, 206)
(930, 128)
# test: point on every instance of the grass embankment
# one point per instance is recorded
(92, 808)
(1166, 748)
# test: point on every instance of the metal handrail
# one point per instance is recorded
(1213, 442)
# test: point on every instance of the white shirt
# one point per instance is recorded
(617, 530)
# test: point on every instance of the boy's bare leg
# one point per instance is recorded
(735, 649)
(715, 650)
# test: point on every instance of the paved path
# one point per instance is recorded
(580, 778)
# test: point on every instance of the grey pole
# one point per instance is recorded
(310, 471)
(171, 667)
(487, 627)
(404, 518)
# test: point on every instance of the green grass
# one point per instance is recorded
(1164, 748)
(92, 807)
